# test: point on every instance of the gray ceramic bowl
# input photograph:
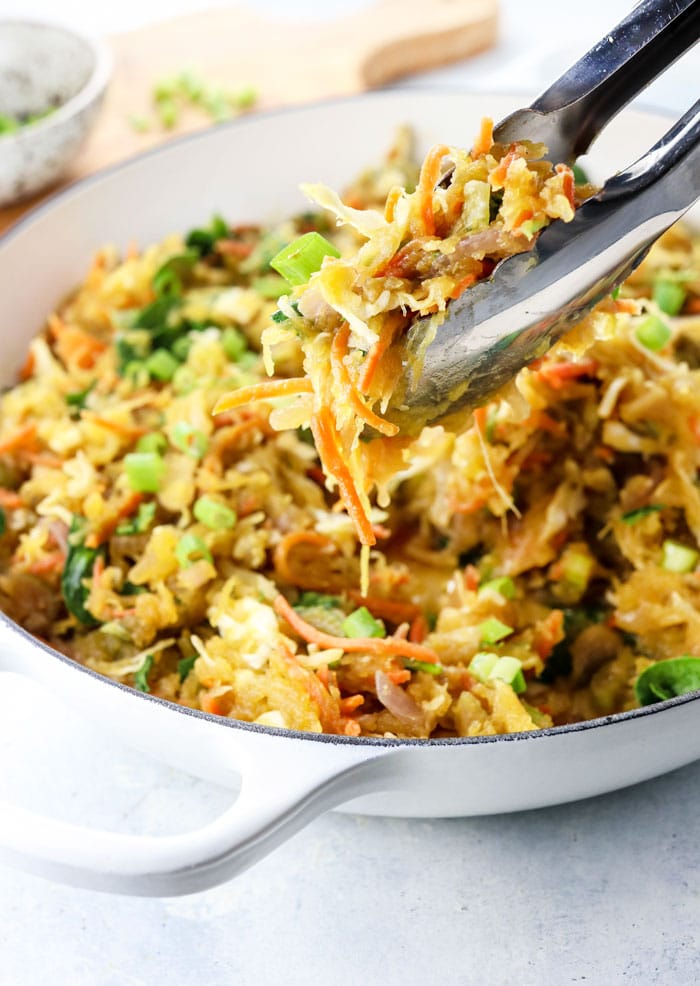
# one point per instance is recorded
(45, 67)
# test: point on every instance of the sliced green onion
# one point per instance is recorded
(184, 380)
(669, 296)
(504, 585)
(154, 441)
(361, 623)
(141, 676)
(653, 333)
(632, 516)
(213, 514)
(190, 549)
(141, 124)
(576, 568)
(510, 670)
(615, 293)
(144, 471)
(168, 113)
(162, 365)
(303, 257)
(185, 666)
(678, 558)
(234, 343)
(189, 440)
(270, 286)
(492, 630)
(245, 98)
(482, 664)
(181, 348)
(425, 666)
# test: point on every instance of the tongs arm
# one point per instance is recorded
(574, 110)
(503, 323)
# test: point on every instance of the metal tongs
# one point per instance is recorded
(503, 323)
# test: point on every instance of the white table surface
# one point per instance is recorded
(601, 892)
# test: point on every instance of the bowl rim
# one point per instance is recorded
(87, 94)
(74, 189)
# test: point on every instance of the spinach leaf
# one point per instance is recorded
(576, 620)
(3, 522)
(141, 522)
(319, 599)
(129, 589)
(80, 562)
(77, 399)
(204, 240)
(155, 315)
(168, 279)
(666, 679)
(141, 676)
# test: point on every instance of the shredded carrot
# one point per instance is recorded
(605, 453)
(327, 445)
(694, 425)
(349, 704)
(9, 499)
(41, 458)
(499, 174)
(627, 305)
(339, 350)
(399, 676)
(472, 578)
(484, 139)
(521, 218)
(127, 431)
(548, 632)
(18, 438)
(266, 390)
(419, 630)
(49, 563)
(569, 184)
(369, 645)
(480, 415)
(74, 345)
(386, 609)
(557, 375)
(461, 286)
(234, 248)
(692, 306)
(429, 175)
(27, 370)
(217, 705)
(109, 525)
(391, 200)
(282, 555)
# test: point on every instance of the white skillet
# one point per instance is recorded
(249, 171)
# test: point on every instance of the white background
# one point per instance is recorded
(601, 893)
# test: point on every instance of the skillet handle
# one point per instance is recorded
(271, 807)
(286, 783)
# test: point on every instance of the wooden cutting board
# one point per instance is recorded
(285, 61)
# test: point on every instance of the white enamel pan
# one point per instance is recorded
(250, 171)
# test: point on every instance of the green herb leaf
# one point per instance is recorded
(141, 676)
(204, 240)
(185, 666)
(79, 564)
(667, 679)
(78, 398)
(3, 521)
(168, 279)
(155, 315)
(632, 516)
(141, 522)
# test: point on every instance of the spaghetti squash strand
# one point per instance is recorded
(339, 350)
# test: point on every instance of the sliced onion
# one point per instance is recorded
(59, 532)
(397, 701)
